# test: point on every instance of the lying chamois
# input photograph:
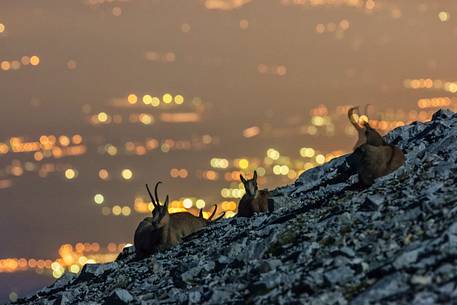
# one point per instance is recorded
(254, 201)
(376, 161)
(164, 230)
(373, 157)
(366, 133)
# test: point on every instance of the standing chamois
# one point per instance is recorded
(164, 230)
(373, 157)
(254, 201)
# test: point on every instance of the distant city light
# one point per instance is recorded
(307, 152)
(13, 295)
(64, 140)
(77, 139)
(70, 174)
(179, 99)
(126, 211)
(320, 159)
(127, 174)
(117, 210)
(34, 60)
(99, 198)
(103, 174)
(102, 117)
(132, 99)
(147, 99)
(273, 154)
(200, 204)
(155, 102)
(443, 16)
(243, 163)
(219, 163)
(187, 203)
(167, 98)
(75, 268)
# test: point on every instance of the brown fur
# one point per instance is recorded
(164, 230)
(254, 200)
(377, 161)
(373, 157)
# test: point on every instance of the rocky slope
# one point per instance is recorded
(326, 243)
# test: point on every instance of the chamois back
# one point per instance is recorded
(376, 161)
(183, 224)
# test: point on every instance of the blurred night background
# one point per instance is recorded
(99, 97)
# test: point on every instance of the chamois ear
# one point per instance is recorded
(165, 204)
(255, 175)
(242, 179)
(164, 212)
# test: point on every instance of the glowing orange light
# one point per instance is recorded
(77, 139)
(132, 99)
(5, 65)
(34, 60)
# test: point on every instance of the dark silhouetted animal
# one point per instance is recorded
(373, 157)
(164, 230)
(254, 200)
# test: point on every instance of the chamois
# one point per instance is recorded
(377, 161)
(164, 230)
(254, 200)
(366, 133)
(373, 157)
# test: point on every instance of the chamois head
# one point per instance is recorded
(366, 133)
(250, 185)
(150, 232)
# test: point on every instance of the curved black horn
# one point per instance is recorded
(351, 112)
(150, 195)
(212, 214)
(220, 216)
(155, 192)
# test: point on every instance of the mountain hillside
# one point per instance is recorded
(327, 242)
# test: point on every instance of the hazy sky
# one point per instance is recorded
(216, 60)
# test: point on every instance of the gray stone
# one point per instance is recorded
(339, 275)
(406, 258)
(119, 297)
